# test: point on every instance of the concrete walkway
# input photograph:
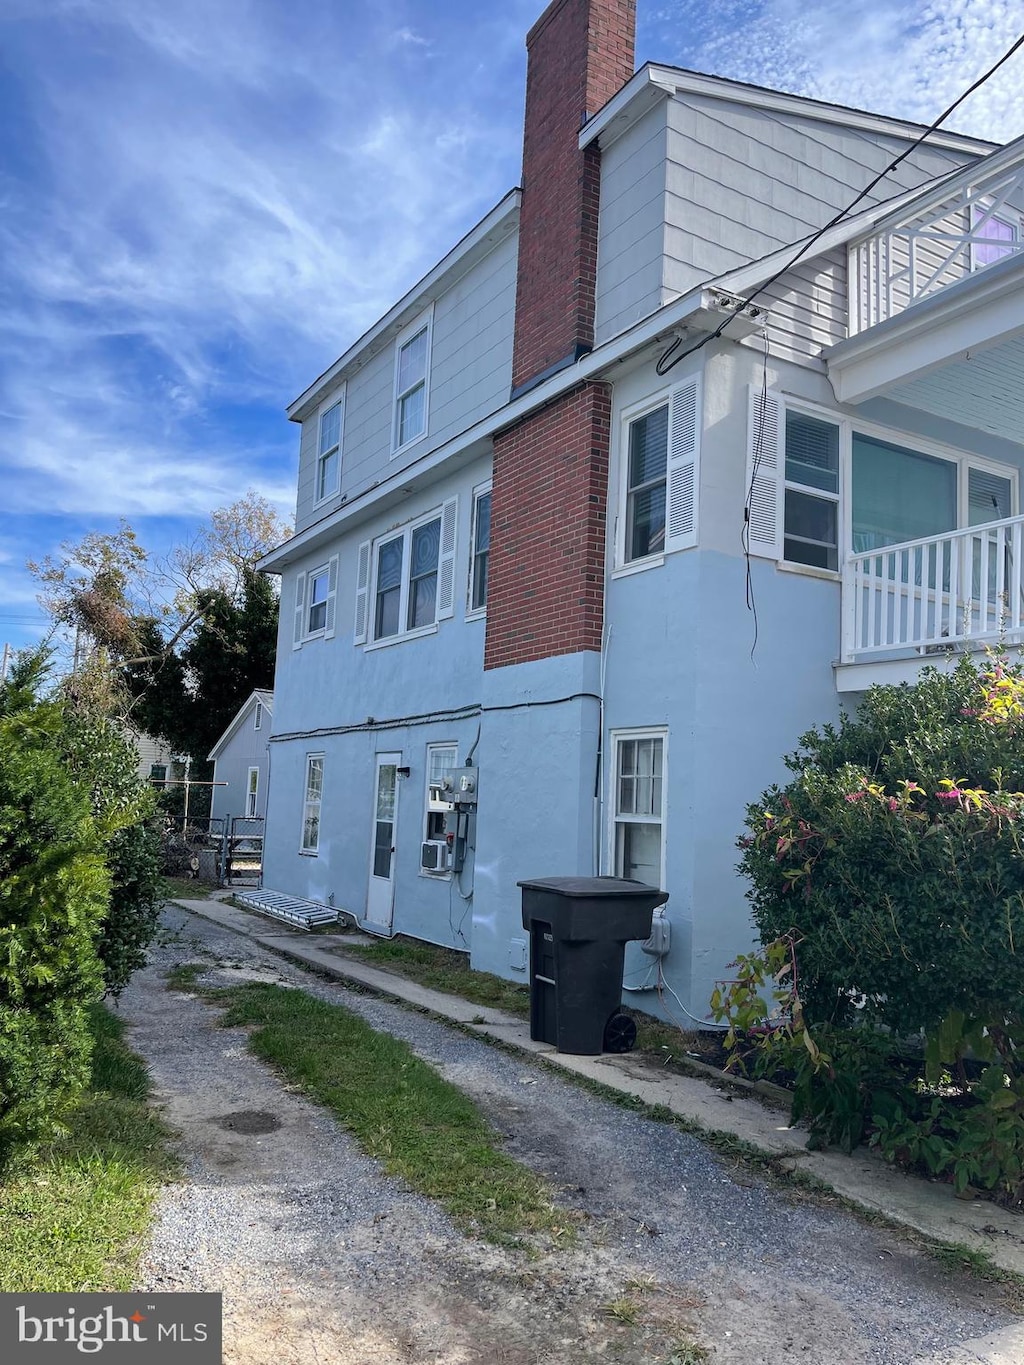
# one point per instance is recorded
(864, 1179)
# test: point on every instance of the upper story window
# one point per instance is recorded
(405, 580)
(645, 484)
(315, 602)
(318, 585)
(481, 550)
(818, 488)
(812, 491)
(258, 716)
(659, 461)
(412, 377)
(328, 461)
(993, 236)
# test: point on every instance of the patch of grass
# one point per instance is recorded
(443, 969)
(420, 1127)
(182, 976)
(73, 1218)
(624, 1310)
(185, 888)
(686, 1352)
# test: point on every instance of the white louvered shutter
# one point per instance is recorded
(362, 593)
(683, 469)
(300, 611)
(764, 487)
(446, 560)
(332, 596)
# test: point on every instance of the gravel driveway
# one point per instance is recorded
(323, 1259)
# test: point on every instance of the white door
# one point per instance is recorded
(380, 900)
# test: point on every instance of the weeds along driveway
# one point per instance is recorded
(323, 1258)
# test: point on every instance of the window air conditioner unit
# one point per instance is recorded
(434, 856)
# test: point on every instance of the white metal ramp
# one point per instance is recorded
(293, 910)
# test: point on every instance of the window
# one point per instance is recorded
(252, 793)
(811, 531)
(993, 236)
(317, 606)
(645, 484)
(441, 759)
(481, 550)
(257, 716)
(413, 580)
(412, 369)
(158, 774)
(638, 806)
(311, 804)
(328, 461)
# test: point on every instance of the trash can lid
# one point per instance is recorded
(593, 886)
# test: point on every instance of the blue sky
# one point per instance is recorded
(204, 202)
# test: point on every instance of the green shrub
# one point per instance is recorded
(895, 856)
(53, 893)
(887, 883)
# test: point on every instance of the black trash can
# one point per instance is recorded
(579, 928)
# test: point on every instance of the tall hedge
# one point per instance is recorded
(54, 888)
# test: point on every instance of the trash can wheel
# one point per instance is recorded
(619, 1034)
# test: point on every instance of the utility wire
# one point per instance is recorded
(668, 361)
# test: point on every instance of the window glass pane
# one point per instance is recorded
(646, 522)
(411, 415)
(330, 428)
(812, 452)
(899, 495)
(426, 545)
(648, 447)
(328, 481)
(412, 362)
(389, 589)
(389, 564)
(993, 234)
(810, 518)
(989, 497)
(315, 778)
(639, 853)
(481, 548)
(318, 602)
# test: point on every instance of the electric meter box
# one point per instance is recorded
(579, 928)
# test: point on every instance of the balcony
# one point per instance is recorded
(936, 305)
(905, 604)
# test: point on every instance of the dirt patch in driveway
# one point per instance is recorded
(322, 1258)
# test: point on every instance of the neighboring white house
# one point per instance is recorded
(241, 760)
(623, 497)
(155, 758)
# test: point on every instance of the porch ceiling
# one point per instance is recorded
(984, 391)
(958, 354)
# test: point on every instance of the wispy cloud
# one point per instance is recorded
(895, 57)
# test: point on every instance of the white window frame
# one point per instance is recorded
(636, 412)
(257, 719)
(965, 461)
(1005, 220)
(321, 493)
(311, 850)
(811, 490)
(252, 793)
(472, 612)
(437, 807)
(616, 739)
(425, 322)
(324, 572)
(447, 516)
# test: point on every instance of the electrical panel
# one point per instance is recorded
(459, 788)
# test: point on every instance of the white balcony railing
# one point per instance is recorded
(972, 222)
(950, 591)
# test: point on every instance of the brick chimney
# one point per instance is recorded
(545, 592)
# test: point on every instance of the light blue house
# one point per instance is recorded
(601, 515)
(241, 763)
